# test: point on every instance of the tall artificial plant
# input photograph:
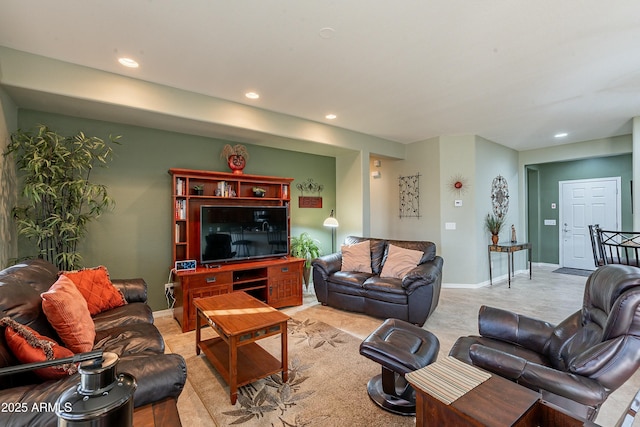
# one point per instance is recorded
(57, 198)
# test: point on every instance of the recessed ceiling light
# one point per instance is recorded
(252, 95)
(327, 32)
(560, 135)
(331, 116)
(128, 62)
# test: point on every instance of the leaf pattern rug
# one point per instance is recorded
(327, 383)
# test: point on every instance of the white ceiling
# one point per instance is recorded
(513, 71)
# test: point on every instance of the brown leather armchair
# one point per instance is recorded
(577, 363)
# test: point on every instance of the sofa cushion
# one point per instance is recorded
(400, 261)
(130, 339)
(345, 288)
(29, 346)
(67, 311)
(356, 257)
(428, 248)
(377, 247)
(96, 288)
(135, 312)
(350, 278)
(390, 285)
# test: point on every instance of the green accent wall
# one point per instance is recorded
(543, 190)
(134, 240)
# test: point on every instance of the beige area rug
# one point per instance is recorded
(327, 383)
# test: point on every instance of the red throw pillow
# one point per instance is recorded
(29, 346)
(67, 312)
(96, 288)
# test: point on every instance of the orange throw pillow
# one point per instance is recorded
(96, 288)
(29, 346)
(67, 312)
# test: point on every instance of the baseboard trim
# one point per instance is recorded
(163, 313)
(486, 283)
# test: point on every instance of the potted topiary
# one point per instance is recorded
(236, 157)
(306, 247)
(494, 224)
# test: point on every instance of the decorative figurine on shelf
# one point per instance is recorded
(236, 157)
(513, 234)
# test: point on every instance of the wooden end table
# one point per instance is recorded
(496, 402)
(240, 320)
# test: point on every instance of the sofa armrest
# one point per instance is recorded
(158, 375)
(505, 325)
(134, 290)
(574, 387)
(328, 264)
(423, 274)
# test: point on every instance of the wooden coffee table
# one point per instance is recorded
(240, 320)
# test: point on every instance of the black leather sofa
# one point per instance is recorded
(412, 298)
(127, 330)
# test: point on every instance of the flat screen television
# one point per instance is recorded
(236, 233)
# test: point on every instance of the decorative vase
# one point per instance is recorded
(236, 163)
(495, 238)
(306, 275)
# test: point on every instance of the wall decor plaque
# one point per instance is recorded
(500, 196)
(309, 202)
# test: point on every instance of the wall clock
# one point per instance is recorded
(500, 196)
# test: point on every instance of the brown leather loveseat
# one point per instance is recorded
(576, 364)
(411, 296)
(126, 330)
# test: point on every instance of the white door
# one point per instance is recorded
(585, 202)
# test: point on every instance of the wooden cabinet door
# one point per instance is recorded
(200, 286)
(208, 291)
(285, 285)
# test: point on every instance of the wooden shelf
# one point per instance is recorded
(276, 281)
(186, 204)
(253, 361)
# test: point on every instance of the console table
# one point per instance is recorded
(509, 249)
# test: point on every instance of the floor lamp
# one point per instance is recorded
(332, 223)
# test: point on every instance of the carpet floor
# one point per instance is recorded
(548, 296)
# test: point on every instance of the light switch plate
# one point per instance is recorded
(449, 225)
(457, 203)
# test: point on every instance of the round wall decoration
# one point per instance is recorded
(458, 184)
(500, 196)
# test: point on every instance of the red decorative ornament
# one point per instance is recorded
(458, 184)
(236, 164)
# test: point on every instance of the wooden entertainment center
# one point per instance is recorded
(276, 281)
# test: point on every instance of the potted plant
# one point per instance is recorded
(494, 224)
(308, 248)
(198, 190)
(259, 191)
(57, 198)
(236, 157)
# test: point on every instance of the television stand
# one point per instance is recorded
(277, 282)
